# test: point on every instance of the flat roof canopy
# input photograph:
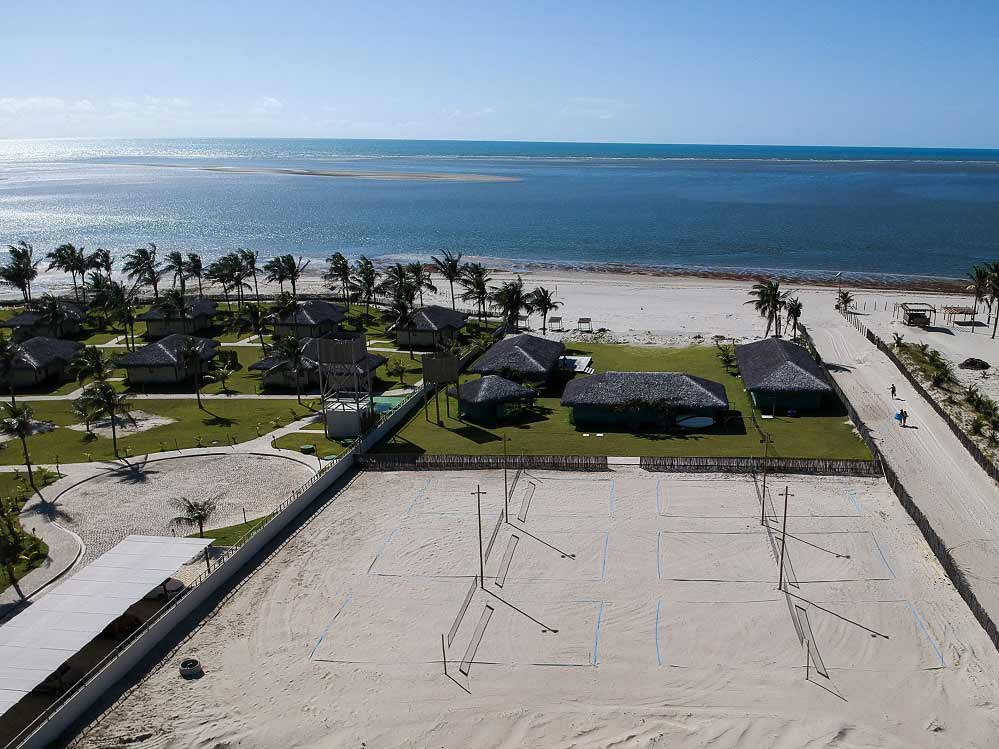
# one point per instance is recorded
(36, 642)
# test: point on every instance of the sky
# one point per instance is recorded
(846, 73)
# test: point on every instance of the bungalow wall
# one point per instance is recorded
(157, 375)
(304, 330)
(784, 402)
(23, 377)
(642, 418)
(425, 338)
(24, 332)
(164, 327)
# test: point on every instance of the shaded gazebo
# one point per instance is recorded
(490, 398)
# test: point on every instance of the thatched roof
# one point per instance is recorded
(524, 354)
(314, 312)
(40, 352)
(434, 318)
(674, 389)
(74, 313)
(196, 308)
(775, 365)
(167, 352)
(310, 360)
(492, 389)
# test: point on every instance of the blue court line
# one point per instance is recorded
(926, 632)
(612, 488)
(853, 498)
(323, 635)
(603, 564)
(659, 658)
(659, 564)
(887, 566)
(658, 508)
(384, 544)
(417, 495)
(596, 635)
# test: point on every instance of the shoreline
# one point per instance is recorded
(342, 173)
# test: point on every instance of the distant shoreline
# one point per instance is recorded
(343, 173)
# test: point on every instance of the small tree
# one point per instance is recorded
(18, 421)
(194, 512)
(543, 301)
(843, 300)
(221, 371)
(15, 544)
(397, 370)
(102, 398)
(449, 266)
(190, 353)
(89, 362)
(10, 350)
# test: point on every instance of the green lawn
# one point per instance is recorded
(219, 423)
(547, 430)
(15, 486)
(229, 535)
(325, 448)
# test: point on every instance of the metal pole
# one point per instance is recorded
(244, 516)
(444, 654)
(783, 542)
(506, 490)
(208, 562)
(482, 564)
(808, 657)
(766, 453)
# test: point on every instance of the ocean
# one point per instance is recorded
(812, 211)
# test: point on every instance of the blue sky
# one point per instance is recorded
(850, 73)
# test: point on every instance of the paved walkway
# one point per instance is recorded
(958, 498)
(47, 519)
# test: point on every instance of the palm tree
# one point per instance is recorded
(227, 272)
(64, 258)
(21, 269)
(53, 315)
(338, 274)
(276, 272)
(220, 371)
(979, 278)
(84, 409)
(993, 292)
(89, 361)
(10, 350)
(79, 262)
(397, 282)
(102, 398)
(175, 306)
(18, 421)
(289, 351)
(248, 259)
(194, 268)
(254, 318)
(794, 308)
(194, 512)
(190, 354)
(475, 280)
(118, 301)
(365, 282)
(769, 301)
(101, 261)
(543, 301)
(512, 300)
(843, 300)
(177, 265)
(421, 279)
(142, 266)
(449, 266)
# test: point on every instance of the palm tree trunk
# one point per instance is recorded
(114, 435)
(201, 292)
(298, 386)
(76, 289)
(27, 464)
(256, 290)
(995, 323)
(452, 293)
(201, 528)
(294, 288)
(544, 324)
(9, 569)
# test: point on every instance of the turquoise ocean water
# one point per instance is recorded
(929, 212)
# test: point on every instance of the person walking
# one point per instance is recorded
(893, 391)
(905, 417)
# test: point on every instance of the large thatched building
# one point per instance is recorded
(782, 376)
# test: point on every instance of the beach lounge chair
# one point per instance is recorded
(584, 324)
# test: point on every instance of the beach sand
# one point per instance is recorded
(670, 627)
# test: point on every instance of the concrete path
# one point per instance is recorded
(958, 498)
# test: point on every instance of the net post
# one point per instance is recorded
(443, 654)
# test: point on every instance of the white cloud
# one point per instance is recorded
(15, 105)
(267, 105)
(459, 114)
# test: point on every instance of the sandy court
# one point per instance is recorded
(137, 499)
(623, 606)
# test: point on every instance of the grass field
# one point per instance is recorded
(220, 422)
(325, 448)
(547, 429)
(15, 486)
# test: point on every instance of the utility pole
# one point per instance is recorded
(783, 541)
(766, 455)
(506, 490)
(482, 564)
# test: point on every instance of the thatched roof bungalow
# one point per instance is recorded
(491, 397)
(524, 357)
(782, 376)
